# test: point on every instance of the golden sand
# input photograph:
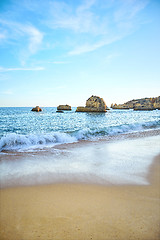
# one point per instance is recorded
(82, 212)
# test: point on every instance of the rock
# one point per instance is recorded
(86, 109)
(146, 104)
(156, 103)
(143, 109)
(59, 111)
(119, 106)
(36, 109)
(93, 104)
(64, 107)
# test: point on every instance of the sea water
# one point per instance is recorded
(49, 147)
(22, 129)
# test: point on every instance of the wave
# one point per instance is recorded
(16, 142)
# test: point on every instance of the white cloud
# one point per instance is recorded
(86, 27)
(128, 9)
(21, 69)
(91, 47)
(80, 19)
(26, 33)
(35, 37)
(96, 26)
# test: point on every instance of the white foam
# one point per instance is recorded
(120, 162)
(15, 141)
(20, 142)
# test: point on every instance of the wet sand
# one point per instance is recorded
(82, 212)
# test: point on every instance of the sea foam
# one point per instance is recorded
(114, 162)
(15, 141)
(18, 142)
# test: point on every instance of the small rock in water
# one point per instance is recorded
(64, 107)
(36, 109)
(59, 111)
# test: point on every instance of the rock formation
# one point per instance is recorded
(93, 104)
(64, 107)
(36, 109)
(140, 104)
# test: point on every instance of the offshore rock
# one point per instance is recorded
(59, 111)
(145, 104)
(36, 109)
(93, 104)
(64, 107)
(119, 106)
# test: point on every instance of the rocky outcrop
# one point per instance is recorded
(119, 106)
(36, 109)
(140, 104)
(64, 107)
(93, 104)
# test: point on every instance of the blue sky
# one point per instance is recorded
(62, 51)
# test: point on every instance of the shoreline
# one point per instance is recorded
(122, 161)
(82, 211)
(110, 138)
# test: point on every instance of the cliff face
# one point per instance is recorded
(93, 104)
(140, 104)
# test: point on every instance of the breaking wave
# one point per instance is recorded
(18, 142)
(15, 141)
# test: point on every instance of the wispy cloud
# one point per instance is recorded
(80, 19)
(84, 26)
(27, 33)
(21, 69)
(91, 47)
(128, 9)
(35, 37)
(94, 24)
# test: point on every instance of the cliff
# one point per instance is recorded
(140, 104)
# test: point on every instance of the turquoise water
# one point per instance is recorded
(22, 129)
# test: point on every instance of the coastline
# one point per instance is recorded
(118, 160)
(82, 211)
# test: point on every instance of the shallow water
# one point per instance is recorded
(50, 147)
(124, 161)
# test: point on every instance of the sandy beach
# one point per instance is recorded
(81, 211)
(79, 120)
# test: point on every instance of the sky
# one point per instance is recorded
(63, 51)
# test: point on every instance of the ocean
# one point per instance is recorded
(49, 147)
(23, 130)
